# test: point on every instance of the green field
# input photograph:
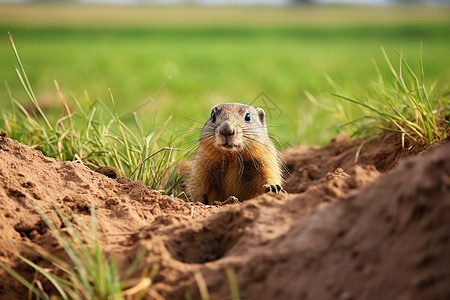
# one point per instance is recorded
(217, 54)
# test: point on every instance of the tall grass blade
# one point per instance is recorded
(402, 104)
(47, 275)
(204, 294)
(234, 289)
(22, 280)
(26, 83)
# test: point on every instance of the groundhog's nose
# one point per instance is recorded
(226, 128)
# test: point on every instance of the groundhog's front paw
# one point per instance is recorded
(231, 200)
(276, 188)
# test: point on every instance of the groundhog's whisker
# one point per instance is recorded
(249, 133)
(206, 137)
(257, 129)
(191, 148)
(240, 161)
(255, 162)
(254, 140)
(273, 138)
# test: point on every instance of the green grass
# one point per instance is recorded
(93, 134)
(229, 57)
(404, 103)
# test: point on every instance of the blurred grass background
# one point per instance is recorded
(216, 54)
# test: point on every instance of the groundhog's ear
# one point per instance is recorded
(261, 115)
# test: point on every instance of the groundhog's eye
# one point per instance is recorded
(213, 116)
(248, 117)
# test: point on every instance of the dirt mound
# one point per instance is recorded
(345, 231)
(310, 165)
(122, 206)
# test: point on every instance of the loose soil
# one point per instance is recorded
(377, 228)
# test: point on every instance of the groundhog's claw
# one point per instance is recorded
(276, 188)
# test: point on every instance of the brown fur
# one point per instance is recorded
(235, 157)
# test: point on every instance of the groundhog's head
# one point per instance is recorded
(235, 127)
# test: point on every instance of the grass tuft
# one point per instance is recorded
(94, 135)
(403, 103)
(90, 274)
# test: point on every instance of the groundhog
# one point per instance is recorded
(235, 158)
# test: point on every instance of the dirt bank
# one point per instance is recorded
(377, 229)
